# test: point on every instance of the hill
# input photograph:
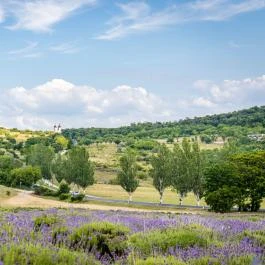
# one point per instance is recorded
(233, 124)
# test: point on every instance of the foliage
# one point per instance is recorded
(7, 163)
(25, 254)
(162, 240)
(161, 170)
(25, 176)
(47, 220)
(127, 175)
(64, 196)
(234, 124)
(79, 169)
(251, 170)
(44, 191)
(41, 156)
(63, 188)
(77, 198)
(107, 238)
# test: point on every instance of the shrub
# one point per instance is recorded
(161, 240)
(8, 193)
(257, 236)
(64, 196)
(25, 254)
(47, 220)
(142, 175)
(63, 188)
(77, 198)
(25, 176)
(221, 200)
(43, 191)
(107, 238)
(59, 234)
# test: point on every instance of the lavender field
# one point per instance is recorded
(58, 236)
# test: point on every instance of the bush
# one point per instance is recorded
(25, 254)
(59, 234)
(64, 196)
(77, 198)
(142, 175)
(257, 236)
(25, 176)
(43, 191)
(44, 220)
(8, 193)
(104, 237)
(63, 188)
(221, 200)
(162, 240)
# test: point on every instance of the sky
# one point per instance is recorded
(108, 63)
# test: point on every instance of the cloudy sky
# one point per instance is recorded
(108, 63)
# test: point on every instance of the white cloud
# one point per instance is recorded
(29, 51)
(138, 16)
(84, 106)
(65, 48)
(203, 102)
(248, 91)
(72, 105)
(41, 15)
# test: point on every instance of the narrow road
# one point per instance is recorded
(26, 199)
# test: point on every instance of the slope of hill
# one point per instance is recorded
(237, 123)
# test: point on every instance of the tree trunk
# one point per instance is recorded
(161, 198)
(130, 197)
(180, 200)
(198, 200)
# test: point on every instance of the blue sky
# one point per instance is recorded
(109, 63)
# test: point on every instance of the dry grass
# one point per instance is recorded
(104, 154)
(4, 191)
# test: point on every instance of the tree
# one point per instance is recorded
(81, 169)
(25, 176)
(251, 170)
(222, 200)
(41, 156)
(181, 168)
(197, 172)
(222, 186)
(7, 163)
(127, 174)
(60, 168)
(161, 170)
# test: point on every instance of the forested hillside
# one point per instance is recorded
(234, 124)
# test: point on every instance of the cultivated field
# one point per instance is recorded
(76, 236)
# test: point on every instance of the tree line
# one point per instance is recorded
(225, 179)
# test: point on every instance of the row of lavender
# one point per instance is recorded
(111, 237)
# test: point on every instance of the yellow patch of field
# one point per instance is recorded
(104, 154)
(4, 192)
(104, 176)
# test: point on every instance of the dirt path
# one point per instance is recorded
(26, 199)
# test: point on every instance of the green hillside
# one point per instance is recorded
(234, 124)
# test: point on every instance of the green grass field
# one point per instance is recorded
(143, 194)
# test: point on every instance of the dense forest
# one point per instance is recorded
(238, 123)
